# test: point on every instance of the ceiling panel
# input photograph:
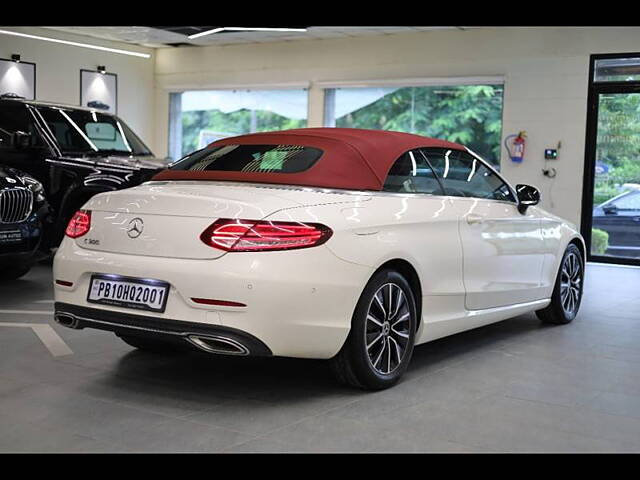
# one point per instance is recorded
(167, 36)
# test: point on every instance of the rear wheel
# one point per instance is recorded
(149, 344)
(567, 292)
(380, 343)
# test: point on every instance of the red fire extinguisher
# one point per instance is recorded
(515, 146)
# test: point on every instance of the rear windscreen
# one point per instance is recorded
(251, 158)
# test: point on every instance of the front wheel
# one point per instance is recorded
(380, 343)
(567, 292)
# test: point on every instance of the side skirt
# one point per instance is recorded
(474, 319)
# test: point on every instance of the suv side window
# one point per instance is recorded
(411, 173)
(13, 117)
(463, 175)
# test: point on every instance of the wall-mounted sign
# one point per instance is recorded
(99, 90)
(18, 78)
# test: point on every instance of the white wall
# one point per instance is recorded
(58, 72)
(545, 71)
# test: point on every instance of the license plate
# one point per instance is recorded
(10, 236)
(128, 292)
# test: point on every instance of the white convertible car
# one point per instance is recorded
(341, 244)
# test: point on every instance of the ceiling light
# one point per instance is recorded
(245, 29)
(102, 69)
(15, 57)
(206, 32)
(76, 44)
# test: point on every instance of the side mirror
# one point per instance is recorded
(527, 197)
(21, 139)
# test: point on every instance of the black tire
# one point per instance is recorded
(557, 313)
(150, 344)
(13, 273)
(354, 364)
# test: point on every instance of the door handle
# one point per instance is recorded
(471, 219)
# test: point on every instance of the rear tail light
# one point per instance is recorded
(79, 224)
(236, 235)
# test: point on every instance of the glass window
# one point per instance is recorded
(252, 158)
(412, 174)
(199, 117)
(617, 70)
(465, 176)
(466, 114)
(630, 201)
(81, 131)
(15, 117)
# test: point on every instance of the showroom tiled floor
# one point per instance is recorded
(515, 386)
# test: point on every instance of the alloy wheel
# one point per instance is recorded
(571, 284)
(387, 328)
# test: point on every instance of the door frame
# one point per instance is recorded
(588, 182)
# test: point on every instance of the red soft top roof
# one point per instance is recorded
(353, 158)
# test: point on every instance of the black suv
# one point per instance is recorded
(74, 152)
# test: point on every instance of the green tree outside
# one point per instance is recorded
(617, 144)
(467, 114)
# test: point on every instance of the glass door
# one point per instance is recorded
(611, 200)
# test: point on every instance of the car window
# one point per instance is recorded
(628, 202)
(463, 175)
(13, 117)
(87, 131)
(251, 158)
(411, 173)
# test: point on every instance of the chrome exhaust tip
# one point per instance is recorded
(67, 320)
(219, 345)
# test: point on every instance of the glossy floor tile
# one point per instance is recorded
(515, 386)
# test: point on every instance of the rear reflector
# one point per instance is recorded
(79, 224)
(222, 303)
(64, 283)
(238, 235)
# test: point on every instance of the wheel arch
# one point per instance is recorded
(407, 270)
(578, 242)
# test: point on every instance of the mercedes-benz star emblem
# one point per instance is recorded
(135, 227)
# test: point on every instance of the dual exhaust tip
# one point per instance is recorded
(67, 320)
(208, 343)
(217, 344)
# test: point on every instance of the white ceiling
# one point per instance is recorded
(154, 37)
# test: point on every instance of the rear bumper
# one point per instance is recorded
(237, 341)
(298, 303)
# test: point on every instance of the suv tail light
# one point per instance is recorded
(79, 224)
(237, 235)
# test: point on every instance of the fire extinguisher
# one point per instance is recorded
(515, 146)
